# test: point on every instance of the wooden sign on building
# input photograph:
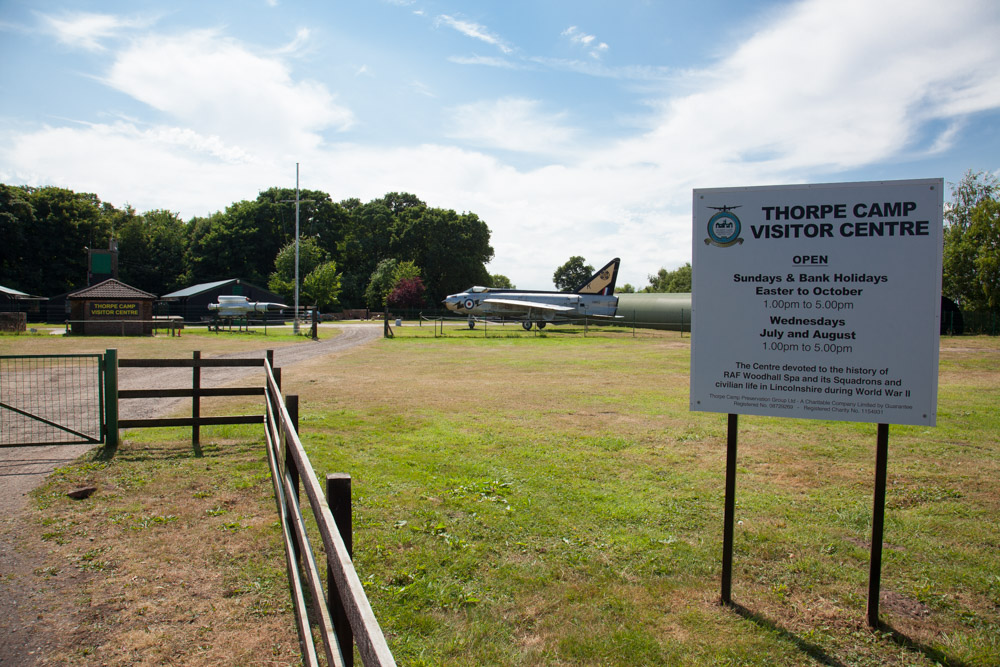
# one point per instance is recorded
(111, 308)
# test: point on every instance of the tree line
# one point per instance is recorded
(353, 254)
(46, 231)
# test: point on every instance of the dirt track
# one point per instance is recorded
(24, 468)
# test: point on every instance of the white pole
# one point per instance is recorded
(295, 325)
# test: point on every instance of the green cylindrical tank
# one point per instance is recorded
(649, 310)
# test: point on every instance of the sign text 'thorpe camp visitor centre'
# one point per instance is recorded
(818, 301)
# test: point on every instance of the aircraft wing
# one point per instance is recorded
(524, 306)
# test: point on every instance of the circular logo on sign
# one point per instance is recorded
(724, 228)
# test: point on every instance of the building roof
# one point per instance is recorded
(16, 295)
(110, 289)
(198, 289)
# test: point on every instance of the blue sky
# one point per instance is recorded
(570, 127)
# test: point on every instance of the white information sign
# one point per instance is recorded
(818, 301)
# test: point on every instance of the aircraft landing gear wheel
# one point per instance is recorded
(526, 325)
(472, 324)
(541, 325)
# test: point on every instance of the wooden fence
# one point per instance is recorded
(343, 617)
(196, 392)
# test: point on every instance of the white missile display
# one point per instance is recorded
(238, 306)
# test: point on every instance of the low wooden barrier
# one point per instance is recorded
(196, 392)
(342, 617)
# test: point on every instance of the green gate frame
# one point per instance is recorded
(107, 369)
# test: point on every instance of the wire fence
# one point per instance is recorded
(983, 323)
(50, 399)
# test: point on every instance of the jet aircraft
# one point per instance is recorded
(240, 306)
(593, 299)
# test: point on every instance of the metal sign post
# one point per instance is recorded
(878, 521)
(817, 301)
(730, 511)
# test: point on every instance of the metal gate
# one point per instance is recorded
(55, 399)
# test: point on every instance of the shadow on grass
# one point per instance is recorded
(172, 451)
(817, 653)
(812, 650)
(932, 653)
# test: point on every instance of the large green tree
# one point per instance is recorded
(151, 250)
(21, 267)
(501, 281)
(678, 280)
(451, 249)
(319, 279)
(984, 234)
(45, 236)
(572, 274)
(961, 279)
(243, 240)
(380, 283)
(322, 286)
(311, 255)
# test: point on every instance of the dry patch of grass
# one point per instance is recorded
(174, 559)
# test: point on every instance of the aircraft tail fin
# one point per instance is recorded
(602, 282)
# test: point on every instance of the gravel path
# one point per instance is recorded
(24, 468)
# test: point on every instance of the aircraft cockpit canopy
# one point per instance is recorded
(478, 289)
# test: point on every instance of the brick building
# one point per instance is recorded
(111, 308)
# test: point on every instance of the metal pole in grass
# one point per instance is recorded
(878, 522)
(338, 498)
(730, 510)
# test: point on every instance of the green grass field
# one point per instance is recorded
(549, 499)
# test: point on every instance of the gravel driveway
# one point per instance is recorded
(24, 468)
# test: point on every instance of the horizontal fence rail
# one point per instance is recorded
(344, 617)
(196, 392)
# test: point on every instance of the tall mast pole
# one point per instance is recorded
(295, 325)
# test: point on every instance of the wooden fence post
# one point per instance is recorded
(196, 398)
(111, 398)
(292, 405)
(338, 498)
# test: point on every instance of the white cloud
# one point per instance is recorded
(488, 61)
(421, 88)
(642, 73)
(218, 87)
(301, 39)
(589, 43)
(473, 30)
(829, 86)
(122, 162)
(514, 124)
(86, 30)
